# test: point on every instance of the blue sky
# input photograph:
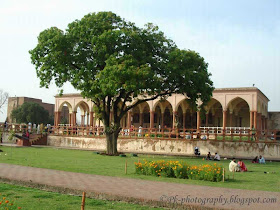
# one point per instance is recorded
(239, 39)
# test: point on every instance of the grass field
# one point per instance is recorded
(33, 199)
(91, 163)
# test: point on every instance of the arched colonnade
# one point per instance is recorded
(228, 107)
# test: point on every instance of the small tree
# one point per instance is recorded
(30, 112)
(118, 66)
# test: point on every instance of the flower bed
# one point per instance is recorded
(181, 170)
(7, 204)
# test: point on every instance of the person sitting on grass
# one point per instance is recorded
(217, 157)
(196, 151)
(242, 166)
(208, 157)
(261, 160)
(233, 166)
(255, 160)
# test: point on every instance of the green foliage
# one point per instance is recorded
(34, 199)
(90, 163)
(30, 112)
(11, 135)
(112, 61)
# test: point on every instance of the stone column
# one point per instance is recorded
(174, 119)
(57, 118)
(91, 118)
(141, 119)
(206, 119)
(263, 122)
(224, 119)
(128, 119)
(152, 119)
(162, 120)
(259, 121)
(70, 119)
(251, 119)
(255, 119)
(74, 118)
(198, 121)
(184, 120)
(87, 119)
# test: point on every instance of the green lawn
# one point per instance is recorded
(91, 163)
(29, 198)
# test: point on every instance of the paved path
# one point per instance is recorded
(141, 189)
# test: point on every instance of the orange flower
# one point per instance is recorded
(4, 198)
(19, 207)
(6, 201)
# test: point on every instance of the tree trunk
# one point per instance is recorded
(112, 139)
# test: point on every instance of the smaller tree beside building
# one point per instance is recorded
(30, 112)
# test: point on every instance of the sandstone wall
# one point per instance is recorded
(173, 147)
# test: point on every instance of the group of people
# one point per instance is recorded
(237, 167)
(260, 160)
(216, 157)
(209, 156)
(233, 165)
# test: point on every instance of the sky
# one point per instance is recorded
(239, 39)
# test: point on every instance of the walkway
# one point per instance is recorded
(141, 190)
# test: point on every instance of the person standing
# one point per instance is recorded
(140, 131)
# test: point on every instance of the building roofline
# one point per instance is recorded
(241, 89)
(215, 90)
(16, 97)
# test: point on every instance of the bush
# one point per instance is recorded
(180, 170)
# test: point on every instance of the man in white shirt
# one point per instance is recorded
(217, 157)
(233, 166)
(261, 160)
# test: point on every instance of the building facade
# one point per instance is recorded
(15, 102)
(228, 107)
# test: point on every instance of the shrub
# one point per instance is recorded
(180, 170)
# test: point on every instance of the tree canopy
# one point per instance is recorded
(30, 112)
(118, 65)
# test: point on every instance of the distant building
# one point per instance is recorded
(15, 102)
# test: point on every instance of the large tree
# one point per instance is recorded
(118, 66)
(30, 112)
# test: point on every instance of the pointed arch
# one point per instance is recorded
(83, 106)
(67, 104)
